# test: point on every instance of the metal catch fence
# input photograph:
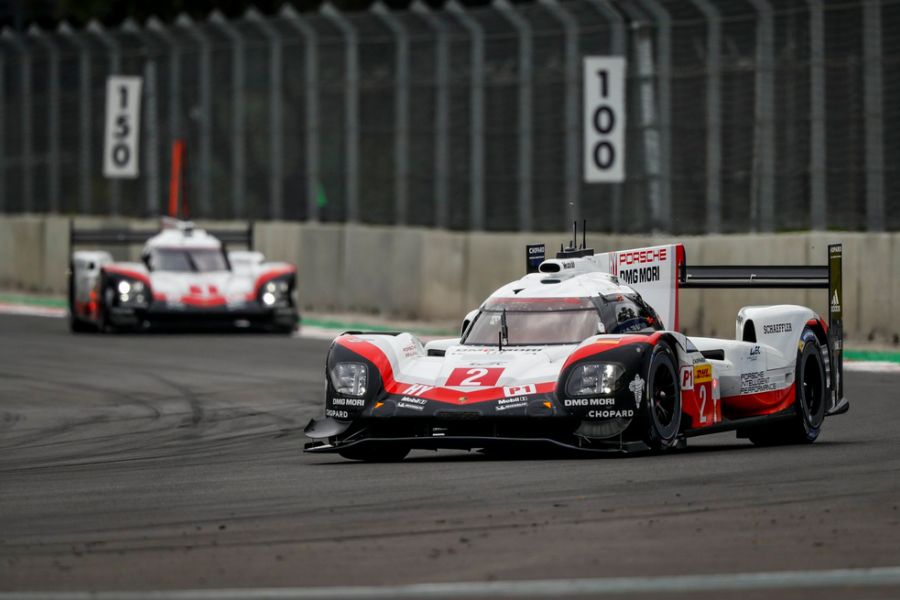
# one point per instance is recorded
(767, 115)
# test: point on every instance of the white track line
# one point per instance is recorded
(877, 577)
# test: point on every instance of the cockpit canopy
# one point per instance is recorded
(186, 259)
(543, 321)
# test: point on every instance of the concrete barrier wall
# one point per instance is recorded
(416, 273)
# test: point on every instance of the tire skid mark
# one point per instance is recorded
(139, 544)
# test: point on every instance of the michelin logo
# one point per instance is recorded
(637, 388)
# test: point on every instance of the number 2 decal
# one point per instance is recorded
(475, 376)
(704, 393)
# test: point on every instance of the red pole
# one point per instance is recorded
(175, 177)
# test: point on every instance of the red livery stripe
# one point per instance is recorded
(604, 344)
(203, 301)
(268, 276)
(759, 404)
(127, 273)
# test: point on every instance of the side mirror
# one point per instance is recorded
(468, 321)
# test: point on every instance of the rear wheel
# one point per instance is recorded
(811, 395)
(385, 453)
(662, 400)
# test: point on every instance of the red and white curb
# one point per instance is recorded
(31, 311)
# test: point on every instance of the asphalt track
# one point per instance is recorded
(173, 462)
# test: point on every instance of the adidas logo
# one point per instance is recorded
(835, 303)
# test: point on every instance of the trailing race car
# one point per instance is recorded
(584, 353)
(186, 277)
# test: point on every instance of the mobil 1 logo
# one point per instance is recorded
(123, 121)
(604, 119)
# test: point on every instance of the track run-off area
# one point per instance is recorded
(171, 466)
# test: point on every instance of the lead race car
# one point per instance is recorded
(186, 277)
(584, 353)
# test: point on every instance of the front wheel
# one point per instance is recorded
(811, 394)
(76, 325)
(661, 401)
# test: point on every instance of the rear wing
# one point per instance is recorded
(827, 276)
(132, 237)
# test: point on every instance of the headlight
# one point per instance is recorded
(594, 379)
(275, 292)
(349, 379)
(131, 293)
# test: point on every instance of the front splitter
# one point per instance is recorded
(477, 442)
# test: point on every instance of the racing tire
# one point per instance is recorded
(661, 400)
(76, 325)
(386, 453)
(811, 396)
(103, 324)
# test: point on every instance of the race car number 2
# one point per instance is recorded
(474, 376)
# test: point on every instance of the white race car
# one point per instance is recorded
(584, 353)
(186, 277)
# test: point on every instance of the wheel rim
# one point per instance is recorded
(664, 401)
(812, 393)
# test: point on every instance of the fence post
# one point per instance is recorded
(85, 182)
(713, 114)
(874, 116)
(276, 130)
(3, 208)
(572, 160)
(202, 175)
(401, 111)
(763, 194)
(115, 67)
(617, 47)
(155, 25)
(649, 119)
(351, 107)
(441, 113)
(311, 71)
(52, 115)
(238, 144)
(476, 156)
(526, 51)
(25, 83)
(664, 106)
(150, 122)
(817, 166)
(151, 139)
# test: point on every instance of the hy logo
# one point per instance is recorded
(417, 389)
(637, 388)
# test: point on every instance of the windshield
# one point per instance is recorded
(541, 321)
(184, 260)
(535, 321)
